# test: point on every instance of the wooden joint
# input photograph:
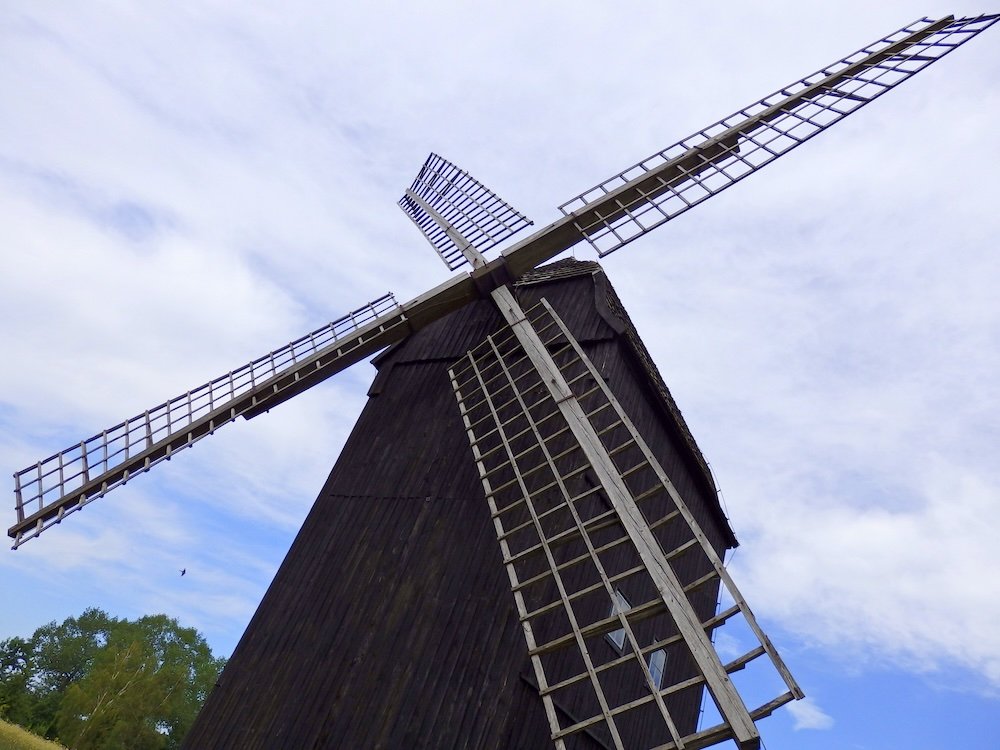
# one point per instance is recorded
(493, 275)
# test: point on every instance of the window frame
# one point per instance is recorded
(619, 605)
(661, 669)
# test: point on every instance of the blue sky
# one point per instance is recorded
(182, 190)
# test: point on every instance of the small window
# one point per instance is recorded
(620, 604)
(657, 660)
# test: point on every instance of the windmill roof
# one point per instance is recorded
(615, 312)
(603, 321)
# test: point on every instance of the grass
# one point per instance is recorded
(12, 737)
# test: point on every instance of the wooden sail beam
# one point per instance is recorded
(66, 481)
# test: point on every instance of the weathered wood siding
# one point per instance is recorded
(390, 623)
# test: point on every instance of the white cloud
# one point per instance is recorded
(808, 715)
(886, 583)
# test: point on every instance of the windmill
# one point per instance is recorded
(493, 385)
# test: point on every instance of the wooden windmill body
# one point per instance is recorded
(390, 624)
(519, 444)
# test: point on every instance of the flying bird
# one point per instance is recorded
(183, 571)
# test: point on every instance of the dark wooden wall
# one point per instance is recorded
(390, 623)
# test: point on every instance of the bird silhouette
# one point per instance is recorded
(183, 571)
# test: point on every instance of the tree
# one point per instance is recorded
(35, 673)
(61, 654)
(15, 676)
(144, 689)
(64, 653)
(99, 682)
(114, 706)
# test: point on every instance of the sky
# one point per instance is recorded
(186, 187)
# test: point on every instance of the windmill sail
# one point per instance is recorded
(598, 544)
(45, 492)
(455, 211)
(68, 480)
(673, 180)
(644, 196)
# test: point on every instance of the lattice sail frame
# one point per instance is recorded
(679, 177)
(65, 482)
(454, 211)
(569, 548)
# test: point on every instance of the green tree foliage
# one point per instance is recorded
(15, 674)
(61, 654)
(97, 682)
